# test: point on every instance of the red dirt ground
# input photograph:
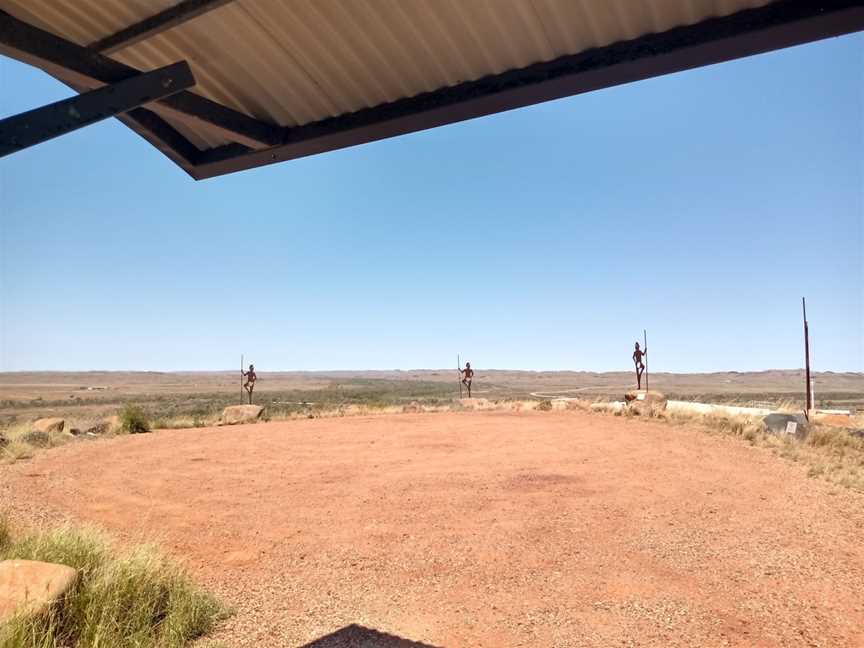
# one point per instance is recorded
(479, 529)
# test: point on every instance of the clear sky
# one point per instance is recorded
(700, 206)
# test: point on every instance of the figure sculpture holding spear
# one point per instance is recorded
(250, 377)
(638, 354)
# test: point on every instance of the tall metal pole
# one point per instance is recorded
(459, 373)
(809, 398)
(645, 342)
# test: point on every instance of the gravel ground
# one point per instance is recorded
(477, 529)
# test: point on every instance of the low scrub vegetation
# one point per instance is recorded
(133, 420)
(133, 599)
(834, 454)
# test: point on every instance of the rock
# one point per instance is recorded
(74, 431)
(106, 426)
(48, 425)
(29, 587)
(644, 403)
(241, 414)
(778, 423)
(98, 429)
(36, 438)
(654, 397)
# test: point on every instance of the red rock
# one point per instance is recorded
(28, 586)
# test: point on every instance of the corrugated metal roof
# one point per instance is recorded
(296, 62)
(299, 61)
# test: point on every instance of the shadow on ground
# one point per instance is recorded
(356, 636)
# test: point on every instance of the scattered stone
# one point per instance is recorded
(786, 424)
(241, 414)
(36, 438)
(49, 425)
(29, 587)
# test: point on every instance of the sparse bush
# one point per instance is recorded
(138, 599)
(35, 438)
(544, 406)
(133, 420)
(15, 450)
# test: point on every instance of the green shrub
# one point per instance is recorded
(133, 420)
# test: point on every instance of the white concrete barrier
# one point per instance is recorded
(688, 407)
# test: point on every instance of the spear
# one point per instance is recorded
(241, 378)
(459, 373)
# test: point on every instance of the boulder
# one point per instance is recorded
(106, 426)
(29, 587)
(643, 402)
(48, 425)
(650, 397)
(786, 424)
(241, 414)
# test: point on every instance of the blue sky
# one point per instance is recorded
(700, 206)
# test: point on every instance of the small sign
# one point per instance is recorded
(791, 428)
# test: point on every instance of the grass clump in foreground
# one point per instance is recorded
(135, 599)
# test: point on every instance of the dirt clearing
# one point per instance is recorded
(478, 529)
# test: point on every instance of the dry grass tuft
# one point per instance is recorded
(135, 599)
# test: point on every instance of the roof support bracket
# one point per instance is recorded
(41, 124)
(83, 68)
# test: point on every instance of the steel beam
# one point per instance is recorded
(156, 24)
(42, 124)
(79, 66)
(164, 137)
(782, 23)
